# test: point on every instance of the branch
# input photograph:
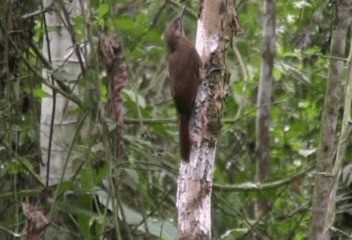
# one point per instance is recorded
(345, 128)
(180, 6)
(59, 90)
(250, 186)
(169, 120)
(9, 232)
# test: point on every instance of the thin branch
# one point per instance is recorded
(71, 31)
(180, 6)
(20, 193)
(155, 208)
(53, 110)
(150, 120)
(31, 172)
(48, 65)
(39, 12)
(326, 56)
(150, 28)
(169, 120)
(344, 135)
(40, 56)
(174, 120)
(250, 186)
(59, 90)
(8, 231)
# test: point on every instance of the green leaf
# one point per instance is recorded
(135, 98)
(111, 124)
(160, 228)
(104, 8)
(40, 93)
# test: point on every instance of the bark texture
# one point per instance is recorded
(111, 54)
(214, 32)
(263, 104)
(36, 222)
(325, 189)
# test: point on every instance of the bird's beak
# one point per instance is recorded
(181, 16)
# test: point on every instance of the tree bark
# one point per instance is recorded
(263, 104)
(325, 189)
(111, 54)
(214, 32)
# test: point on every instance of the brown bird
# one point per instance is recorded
(184, 65)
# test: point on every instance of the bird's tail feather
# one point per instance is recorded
(185, 141)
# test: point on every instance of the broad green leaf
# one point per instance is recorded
(159, 228)
(134, 97)
(40, 93)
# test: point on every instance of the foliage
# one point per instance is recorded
(146, 183)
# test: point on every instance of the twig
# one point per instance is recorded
(250, 186)
(344, 135)
(53, 110)
(8, 231)
(73, 37)
(39, 12)
(179, 5)
(69, 96)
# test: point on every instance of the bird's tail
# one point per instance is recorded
(185, 141)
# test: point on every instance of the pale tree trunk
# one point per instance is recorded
(337, 170)
(263, 104)
(325, 187)
(58, 121)
(195, 178)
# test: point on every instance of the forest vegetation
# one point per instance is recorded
(89, 139)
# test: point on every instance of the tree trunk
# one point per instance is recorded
(57, 121)
(325, 189)
(111, 54)
(263, 104)
(195, 178)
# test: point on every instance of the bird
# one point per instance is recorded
(184, 67)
